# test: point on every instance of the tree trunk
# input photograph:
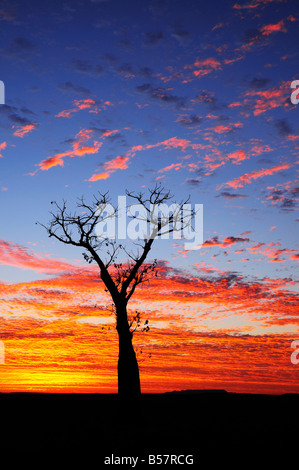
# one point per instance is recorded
(128, 371)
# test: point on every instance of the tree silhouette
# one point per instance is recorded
(120, 279)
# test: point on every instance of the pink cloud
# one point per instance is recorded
(248, 177)
(121, 162)
(79, 149)
(174, 142)
(206, 66)
(226, 242)
(262, 101)
(173, 166)
(3, 146)
(221, 129)
(12, 254)
(25, 129)
(237, 157)
(235, 104)
(254, 4)
(293, 138)
(217, 26)
(66, 113)
(108, 133)
(169, 144)
(80, 105)
(84, 104)
(260, 149)
(273, 28)
(118, 163)
(266, 31)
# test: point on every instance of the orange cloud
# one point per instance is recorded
(108, 133)
(99, 176)
(51, 162)
(79, 105)
(3, 146)
(87, 149)
(78, 150)
(248, 177)
(25, 129)
(274, 254)
(89, 104)
(118, 163)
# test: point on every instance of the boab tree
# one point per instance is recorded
(120, 279)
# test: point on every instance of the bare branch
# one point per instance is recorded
(79, 229)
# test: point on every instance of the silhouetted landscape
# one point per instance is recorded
(214, 426)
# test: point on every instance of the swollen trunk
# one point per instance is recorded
(128, 371)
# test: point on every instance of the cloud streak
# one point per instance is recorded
(79, 149)
(247, 178)
(22, 131)
(13, 254)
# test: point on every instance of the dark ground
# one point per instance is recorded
(215, 427)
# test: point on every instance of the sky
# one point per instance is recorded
(107, 95)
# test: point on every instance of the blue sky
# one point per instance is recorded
(202, 89)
